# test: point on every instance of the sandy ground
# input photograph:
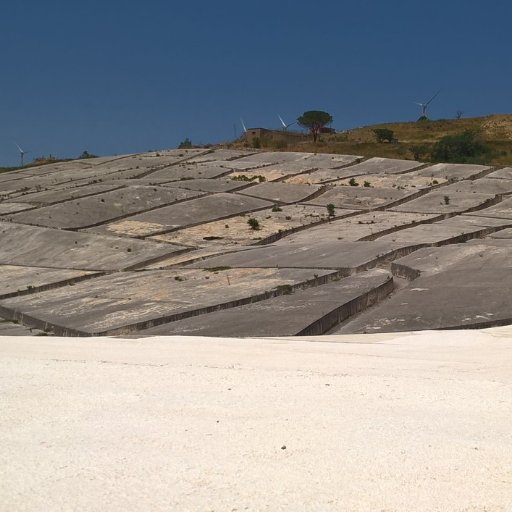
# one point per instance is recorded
(396, 422)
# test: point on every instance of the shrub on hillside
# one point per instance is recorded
(461, 148)
(384, 135)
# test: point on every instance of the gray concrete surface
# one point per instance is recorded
(441, 201)
(321, 176)
(59, 196)
(345, 256)
(505, 173)
(181, 209)
(364, 226)
(397, 422)
(481, 186)
(17, 280)
(273, 223)
(360, 197)
(188, 171)
(208, 185)
(453, 171)
(502, 210)
(127, 301)
(7, 208)
(312, 311)
(33, 246)
(101, 208)
(465, 285)
(385, 166)
(195, 211)
(282, 192)
(446, 300)
(455, 229)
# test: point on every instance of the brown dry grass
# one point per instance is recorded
(495, 130)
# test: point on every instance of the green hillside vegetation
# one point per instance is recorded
(483, 140)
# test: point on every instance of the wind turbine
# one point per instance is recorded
(424, 106)
(285, 126)
(243, 125)
(22, 154)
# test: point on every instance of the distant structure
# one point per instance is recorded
(256, 133)
(284, 125)
(22, 154)
(424, 106)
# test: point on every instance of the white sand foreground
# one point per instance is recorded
(396, 422)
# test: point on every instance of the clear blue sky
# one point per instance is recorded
(125, 76)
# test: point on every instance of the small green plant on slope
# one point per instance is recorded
(330, 210)
(253, 223)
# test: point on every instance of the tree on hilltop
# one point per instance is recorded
(314, 121)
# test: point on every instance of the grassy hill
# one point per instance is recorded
(414, 140)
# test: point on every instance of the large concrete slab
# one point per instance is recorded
(384, 166)
(189, 172)
(265, 158)
(503, 234)
(146, 162)
(505, 173)
(282, 192)
(17, 280)
(209, 185)
(127, 301)
(368, 167)
(473, 257)
(445, 300)
(502, 210)
(193, 255)
(363, 198)
(60, 196)
(271, 172)
(274, 223)
(221, 154)
(347, 257)
(451, 230)
(365, 226)
(330, 161)
(398, 422)
(462, 286)
(43, 247)
(481, 186)
(321, 176)
(453, 171)
(400, 181)
(8, 208)
(441, 201)
(100, 208)
(312, 311)
(195, 211)
(73, 176)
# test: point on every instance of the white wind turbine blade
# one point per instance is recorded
(282, 122)
(435, 96)
(243, 125)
